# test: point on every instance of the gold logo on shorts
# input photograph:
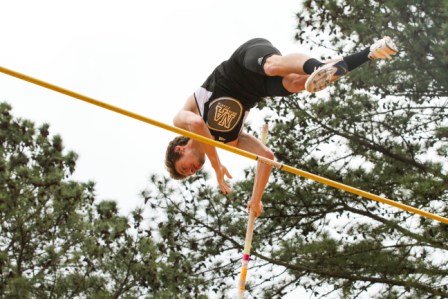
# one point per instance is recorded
(224, 114)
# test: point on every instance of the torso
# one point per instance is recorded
(224, 116)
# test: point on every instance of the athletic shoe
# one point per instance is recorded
(383, 48)
(323, 75)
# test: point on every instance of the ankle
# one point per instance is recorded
(311, 64)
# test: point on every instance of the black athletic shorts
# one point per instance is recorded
(235, 86)
(242, 76)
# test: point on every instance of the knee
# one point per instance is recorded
(294, 82)
(270, 69)
(271, 65)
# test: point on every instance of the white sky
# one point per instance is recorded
(143, 56)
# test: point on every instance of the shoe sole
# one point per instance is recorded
(321, 78)
(391, 46)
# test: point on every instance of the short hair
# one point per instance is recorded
(172, 156)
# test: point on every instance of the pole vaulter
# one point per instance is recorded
(232, 149)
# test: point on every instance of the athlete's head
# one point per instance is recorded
(181, 159)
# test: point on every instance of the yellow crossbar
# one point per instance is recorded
(224, 146)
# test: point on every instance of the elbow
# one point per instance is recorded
(176, 120)
(195, 124)
(188, 121)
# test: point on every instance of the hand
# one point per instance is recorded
(222, 172)
(257, 207)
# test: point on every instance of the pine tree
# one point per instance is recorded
(58, 241)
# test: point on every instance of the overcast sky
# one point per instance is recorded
(143, 56)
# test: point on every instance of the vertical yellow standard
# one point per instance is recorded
(249, 233)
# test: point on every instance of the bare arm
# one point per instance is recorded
(251, 144)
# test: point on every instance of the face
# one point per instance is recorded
(190, 162)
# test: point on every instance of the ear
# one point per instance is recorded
(179, 148)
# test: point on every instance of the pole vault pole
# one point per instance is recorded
(241, 286)
(232, 149)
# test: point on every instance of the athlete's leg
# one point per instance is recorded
(260, 56)
(278, 65)
(252, 54)
(321, 78)
(263, 58)
(327, 73)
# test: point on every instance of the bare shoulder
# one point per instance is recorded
(188, 115)
(190, 105)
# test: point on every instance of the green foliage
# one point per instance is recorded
(57, 242)
(383, 130)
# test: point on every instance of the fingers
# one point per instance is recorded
(226, 173)
(257, 213)
(223, 185)
(225, 188)
(258, 208)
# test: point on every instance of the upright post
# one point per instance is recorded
(249, 233)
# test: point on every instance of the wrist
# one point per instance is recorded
(216, 164)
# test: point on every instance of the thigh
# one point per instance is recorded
(294, 83)
(252, 54)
